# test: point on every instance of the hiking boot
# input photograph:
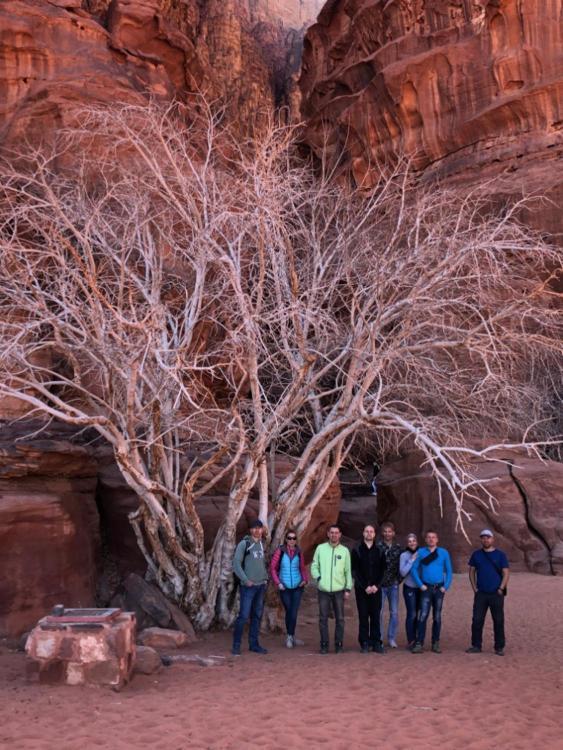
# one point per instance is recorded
(499, 651)
(364, 648)
(378, 649)
(324, 648)
(338, 649)
(235, 651)
(289, 642)
(417, 648)
(473, 650)
(258, 649)
(436, 647)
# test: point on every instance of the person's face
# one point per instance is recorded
(291, 539)
(412, 543)
(388, 534)
(431, 539)
(369, 534)
(256, 532)
(334, 536)
(487, 542)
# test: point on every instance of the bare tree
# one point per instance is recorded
(198, 300)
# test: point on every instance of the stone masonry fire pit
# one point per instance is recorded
(82, 647)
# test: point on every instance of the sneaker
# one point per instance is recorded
(364, 648)
(289, 641)
(393, 644)
(436, 647)
(298, 641)
(378, 649)
(258, 649)
(417, 648)
(235, 651)
(338, 649)
(499, 651)
(473, 650)
(324, 648)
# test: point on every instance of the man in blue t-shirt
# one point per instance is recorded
(488, 573)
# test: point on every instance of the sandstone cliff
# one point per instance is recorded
(56, 54)
(468, 90)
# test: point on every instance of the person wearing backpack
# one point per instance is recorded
(289, 574)
(432, 573)
(488, 574)
(249, 566)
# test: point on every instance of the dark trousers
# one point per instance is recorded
(334, 601)
(481, 603)
(431, 598)
(412, 603)
(369, 608)
(251, 608)
(291, 599)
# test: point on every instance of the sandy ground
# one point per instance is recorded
(300, 699)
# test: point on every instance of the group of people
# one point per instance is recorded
(375, 569)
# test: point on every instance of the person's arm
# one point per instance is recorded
(406, 561)
(505, 572)
(275, 566)
(381, 568)
(359, 579)
(315, 567)
(238, 560)
(473, 578)
(415, 572)
(448, 569)
(348, 570)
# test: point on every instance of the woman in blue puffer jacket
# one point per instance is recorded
(290, 576)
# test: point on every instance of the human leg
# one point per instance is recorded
(425, 602)
(437, 602)
(246, 597)
(256, 611)
(480, 606)
(374, 609)
(410, 595)
(338, 607)
(294, 602)
(496, 606)
(324, 608)
(362, 603)
(393, 614)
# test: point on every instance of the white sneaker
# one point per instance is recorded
(289, 641)
(393, 644)
(298, 642)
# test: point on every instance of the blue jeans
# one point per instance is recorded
(291, 599)
(412, 603)
(434, 598)
(391, 594)
(251, 607)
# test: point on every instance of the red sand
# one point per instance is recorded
(299, 699)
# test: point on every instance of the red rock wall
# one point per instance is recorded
(49, 530)
(527, 520)
(466, 89)
(59, 54)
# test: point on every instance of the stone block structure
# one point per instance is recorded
(83, 647)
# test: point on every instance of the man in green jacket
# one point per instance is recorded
(332, 570)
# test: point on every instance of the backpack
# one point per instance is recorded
(236, 579)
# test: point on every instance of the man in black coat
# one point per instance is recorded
(368, 567)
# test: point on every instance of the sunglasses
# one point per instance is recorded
(291, 538)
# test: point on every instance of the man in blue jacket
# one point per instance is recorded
(432, 573)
